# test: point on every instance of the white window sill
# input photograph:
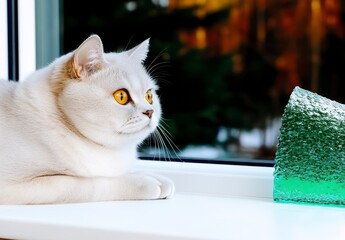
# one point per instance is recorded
(211, 202)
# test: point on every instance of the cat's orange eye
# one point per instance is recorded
(121, 96)
(149, 96)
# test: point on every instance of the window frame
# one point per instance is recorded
(224, 161)
(3, 40)
(23, 39)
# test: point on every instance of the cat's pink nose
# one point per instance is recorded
(148, 113)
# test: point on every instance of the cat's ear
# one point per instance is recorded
(140, 51)
(88, 58)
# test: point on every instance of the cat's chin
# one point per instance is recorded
(119, 140)
(135, 132)
(141, 128)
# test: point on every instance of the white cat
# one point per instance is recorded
(70, 132)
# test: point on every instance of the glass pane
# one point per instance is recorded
(225, 68)
(48, 34)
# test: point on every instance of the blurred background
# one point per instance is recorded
(225, 68)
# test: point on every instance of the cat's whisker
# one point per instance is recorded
(169, 140)
(157, 144)
(163, 146)
(169, 137)
(129, 41)
(156, 67)
(167, 152)
(149, 67)
(163, 142)
(165, 128)
(153, 71)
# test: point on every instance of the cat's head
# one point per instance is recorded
(108, 98)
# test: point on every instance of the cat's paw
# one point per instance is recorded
(150, 186)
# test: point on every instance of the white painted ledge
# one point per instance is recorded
(201, 209)
(215, 179)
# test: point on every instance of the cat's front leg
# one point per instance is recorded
(144, 186)
(68, 189)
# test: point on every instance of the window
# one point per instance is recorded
(225, 68)
(3, 41)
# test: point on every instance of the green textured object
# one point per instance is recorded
(310, 159)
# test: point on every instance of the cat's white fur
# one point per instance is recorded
(64, 138)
